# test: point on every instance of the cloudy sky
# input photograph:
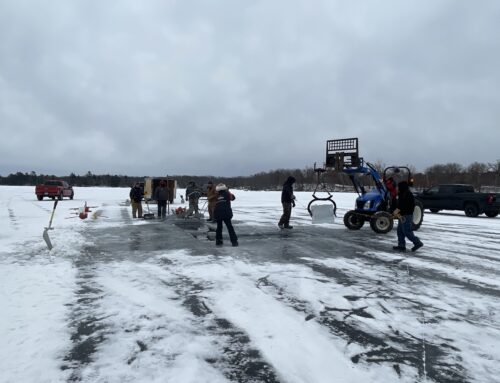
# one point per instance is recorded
(236, 87)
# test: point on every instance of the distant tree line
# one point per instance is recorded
(478, 174)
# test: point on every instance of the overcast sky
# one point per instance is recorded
(237, 87)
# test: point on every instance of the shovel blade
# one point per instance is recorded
(47, 239)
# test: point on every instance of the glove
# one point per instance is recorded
(397, 213)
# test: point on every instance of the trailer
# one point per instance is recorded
(150, 184)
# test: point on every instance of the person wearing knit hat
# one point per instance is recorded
(223, 214)
(220, 187)
(404, 212)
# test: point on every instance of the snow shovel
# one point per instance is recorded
(148, 215)
(46, 230)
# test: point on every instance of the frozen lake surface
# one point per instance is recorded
(122, 300)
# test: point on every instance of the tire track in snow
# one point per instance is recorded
(394, 348)
(239, 361)
(87, 320)
(236, 358)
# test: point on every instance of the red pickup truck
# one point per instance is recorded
(53, 189)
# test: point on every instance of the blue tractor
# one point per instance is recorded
(376, 193)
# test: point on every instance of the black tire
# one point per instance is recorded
(353, 221)
(39, 197)
(418, 215)
(60, 196)
(434, 210)
(72, 195)
(471, 210)
(53, 197)
(491, 214)
(381, 222)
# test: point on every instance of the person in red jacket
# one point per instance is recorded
(390, 184)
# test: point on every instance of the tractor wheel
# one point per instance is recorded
(381, 222)
(434, 210)
(491, 214)
(418, 215)
(471, 210)
(353, 221)
(39, 197)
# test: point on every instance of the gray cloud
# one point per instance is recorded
(233, 87)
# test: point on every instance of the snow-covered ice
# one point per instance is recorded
(123, 300)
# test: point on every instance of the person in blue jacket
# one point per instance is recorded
(223, 214)
(288, 201)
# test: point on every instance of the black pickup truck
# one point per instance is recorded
(460, 197)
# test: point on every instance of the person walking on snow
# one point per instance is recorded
(406, 205)
(212, 199)
(161, 195)
(192, 196)
(288, 201)
(135, 200)
(223, 214)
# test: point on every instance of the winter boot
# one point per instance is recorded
(417, 246)
(399, 248)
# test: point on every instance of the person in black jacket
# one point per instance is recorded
(406, 205)
(288, 201)
(135, 200)
(161, 195)
(224, 213)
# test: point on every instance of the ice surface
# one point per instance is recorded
(123, 300)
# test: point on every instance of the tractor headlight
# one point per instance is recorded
(363, 205)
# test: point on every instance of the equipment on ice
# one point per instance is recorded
(375, 202)
(148, 215)
(322, 213)
(45, 235)
(82, 212)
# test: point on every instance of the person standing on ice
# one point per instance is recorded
(288, 201)
(161, 195)
(404, 212)
(212, 199)
(135, 200)
(192, 196)
(223, 214)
